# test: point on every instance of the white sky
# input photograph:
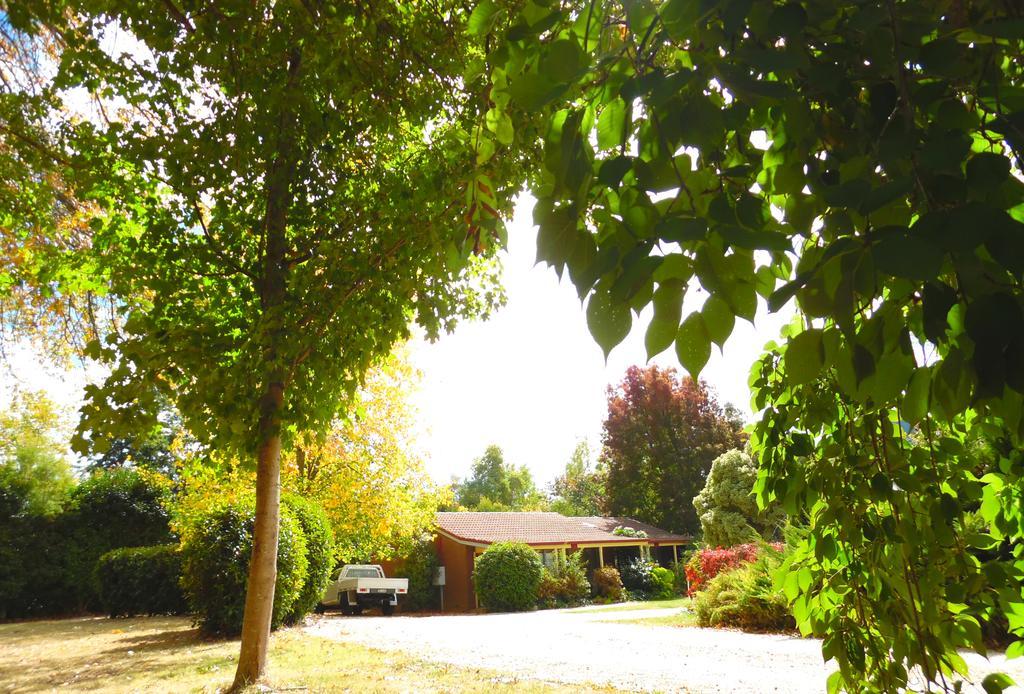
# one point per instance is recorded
(531, 379)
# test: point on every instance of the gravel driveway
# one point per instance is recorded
(591, 647)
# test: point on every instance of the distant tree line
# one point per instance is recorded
(661, 434)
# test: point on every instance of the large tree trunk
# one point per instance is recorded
(259, 596)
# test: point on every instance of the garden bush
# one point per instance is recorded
(419, 567)
(216, 549)
(745, 597)
(664, 583)
(678, 569)
(507, 577)
(638, 577)
(141, 581)
(316, 530)
(608, 584)
(566, 584)
(707, 563)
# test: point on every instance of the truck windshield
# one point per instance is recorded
(362, 573)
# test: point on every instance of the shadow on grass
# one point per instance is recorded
(96, 653)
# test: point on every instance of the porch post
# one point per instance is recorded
(600, 556)
(675, 553)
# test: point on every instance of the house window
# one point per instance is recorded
(548, 558)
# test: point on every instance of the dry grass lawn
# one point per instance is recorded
(165, 654)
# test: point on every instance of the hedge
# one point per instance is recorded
(108, 510)
(216, 552)
(316, 528)
(566, 584)
(141, 581)
(48, 564)
(507, 576)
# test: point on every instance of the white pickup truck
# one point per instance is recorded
(363, 585)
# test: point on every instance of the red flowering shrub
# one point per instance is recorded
(707, 563)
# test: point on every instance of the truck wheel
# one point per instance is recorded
(357, 610)
(388, 609)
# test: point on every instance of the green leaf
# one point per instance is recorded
(784, 294)
(693, 344)
(805, 355)
(533, 91)
(915, 402)
(718, 318)
(901, 254)
(611, 124)
(482, 18)
(499, 123)
(612, 170)
(563, 60)
(996, 682)
(609, 321)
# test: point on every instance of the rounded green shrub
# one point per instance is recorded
(507, 577)
(316, 528)
(664, 583)
(141, 581)
(216, 551)
(607, 584)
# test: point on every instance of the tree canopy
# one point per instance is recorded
(861, 162)
(35, 476)
(496, 485)
(661, 434)
(580, 489)
(276, 191)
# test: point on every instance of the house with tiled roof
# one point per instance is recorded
(462, 536)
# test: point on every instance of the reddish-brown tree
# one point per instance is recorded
(660, 436)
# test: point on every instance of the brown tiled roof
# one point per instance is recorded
(542, 528)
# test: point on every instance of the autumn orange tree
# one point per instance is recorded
(661, 434)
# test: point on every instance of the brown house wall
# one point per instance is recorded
(457, 560)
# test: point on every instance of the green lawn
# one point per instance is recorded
(164, 654)
(634, 606)
(681, 619)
